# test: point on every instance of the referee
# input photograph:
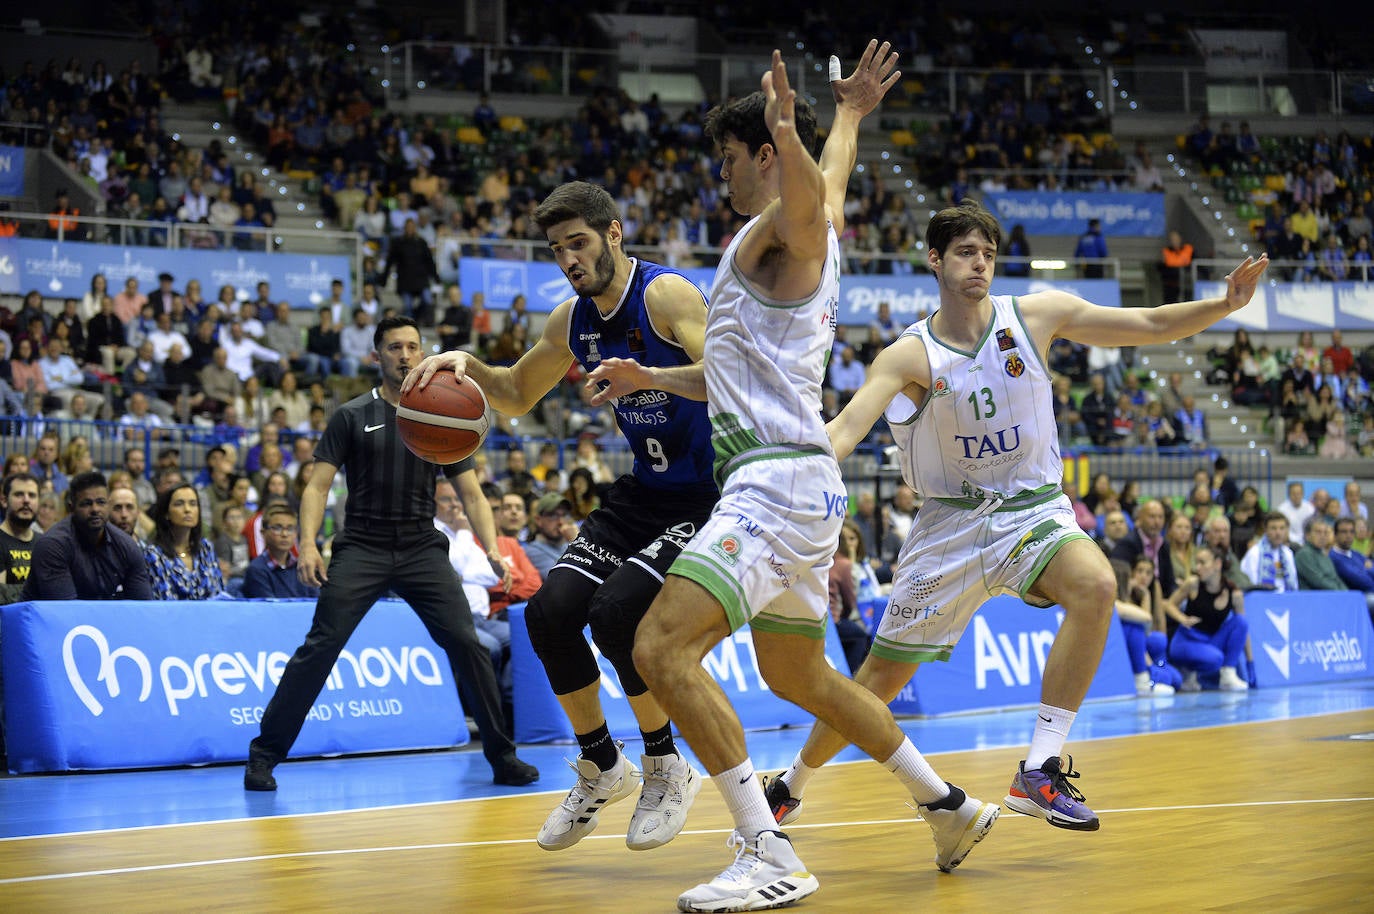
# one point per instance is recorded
(389, 541)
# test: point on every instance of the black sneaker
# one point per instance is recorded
(258, 776)
(785, 807)
(513, 772)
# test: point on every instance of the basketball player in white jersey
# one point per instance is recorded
(967, 396)
(763, 557)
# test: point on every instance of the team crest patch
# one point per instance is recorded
(941, 387)
(1005, 340)
(727, 548)
(635, 340)
(1015, 366)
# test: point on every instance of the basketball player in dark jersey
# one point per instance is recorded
(621, 309)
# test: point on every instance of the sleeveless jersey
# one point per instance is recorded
(669, 435)
(765, 363)
(987, 424)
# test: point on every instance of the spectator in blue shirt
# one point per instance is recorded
(1354, 568)
(273, 573)
(1091, 245)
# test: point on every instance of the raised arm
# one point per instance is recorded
(856, 96)
(799, 216)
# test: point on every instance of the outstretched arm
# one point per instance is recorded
(855, 97)
(514, 390)
(895, 367)
(1055, 314)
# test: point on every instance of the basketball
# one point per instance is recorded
(445, 421)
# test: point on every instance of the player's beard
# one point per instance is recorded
(603, 271)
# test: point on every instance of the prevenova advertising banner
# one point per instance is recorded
(98, 685)
(1300, 306)
(909, 295)
(1062, 213)
(539, 719)
(1000, 661)
(64, 270)
(1309, 636)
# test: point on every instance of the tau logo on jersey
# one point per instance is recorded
(1015, 366)
(941, 387)
(727, 548)
(993, 445)
(1005, 340)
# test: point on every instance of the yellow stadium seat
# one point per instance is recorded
(513, 123)
(470, 134)
(903, 138)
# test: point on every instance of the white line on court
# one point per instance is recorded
(457, 845)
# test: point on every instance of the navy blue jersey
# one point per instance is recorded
(669, 435)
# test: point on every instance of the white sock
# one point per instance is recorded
(744, 797)
(1142, 679)
(1051, 730)
(915, 772)
(797, 776)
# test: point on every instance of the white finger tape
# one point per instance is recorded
(834, 68)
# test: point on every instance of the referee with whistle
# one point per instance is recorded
(389, 542)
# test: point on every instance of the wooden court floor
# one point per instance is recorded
(1265, 817)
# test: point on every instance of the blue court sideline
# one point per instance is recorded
(59, 804)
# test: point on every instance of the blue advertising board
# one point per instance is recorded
(1000, 661)
(1309, 636)
(1299, 306)
(1138, 215)
(539, 719)
(99, 685)
(910, 296)
(64, 270)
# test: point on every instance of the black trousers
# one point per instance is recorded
(413, 561)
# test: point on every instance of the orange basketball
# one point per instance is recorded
(445, 421)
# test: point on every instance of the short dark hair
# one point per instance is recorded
(1347, 521)
(743, 119)
(91, 479)
(388, 324)
(957, 221)
(1273, 516)
(578, 200)
(11, 479)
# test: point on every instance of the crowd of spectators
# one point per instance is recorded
(1318, 399)
(1313, 193)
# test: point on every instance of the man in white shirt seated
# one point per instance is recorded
(163, 337)
(1297, 509)
(61, 373)
(475, 570)
(242, 352)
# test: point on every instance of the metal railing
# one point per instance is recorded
(1092, 91)
(176, 235)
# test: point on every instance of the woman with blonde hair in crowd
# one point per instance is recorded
(76, 457)
(50, 510)
(848, 578)
(182, 564)
(1181, 539)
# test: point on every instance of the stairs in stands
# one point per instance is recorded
(198, 123)
(1229, 425)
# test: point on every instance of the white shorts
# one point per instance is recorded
(765, 553)
(951, 563)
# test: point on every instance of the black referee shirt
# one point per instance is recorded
(386, 482)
